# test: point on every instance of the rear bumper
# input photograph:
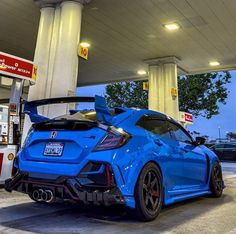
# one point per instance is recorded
(65, 188)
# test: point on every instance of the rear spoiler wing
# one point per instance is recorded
(59, 100)
(101, 108)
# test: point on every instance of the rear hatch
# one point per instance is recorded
(70, 138)
(63, 140)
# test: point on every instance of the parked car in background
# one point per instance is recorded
(225, 151)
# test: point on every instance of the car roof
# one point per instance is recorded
(151, 112)
(142, 112)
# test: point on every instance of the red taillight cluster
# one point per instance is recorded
(113, 139)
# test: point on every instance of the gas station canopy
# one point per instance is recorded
(124, 33)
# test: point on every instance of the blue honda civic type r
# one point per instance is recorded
(139, 158)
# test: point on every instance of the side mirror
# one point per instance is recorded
(200, 141)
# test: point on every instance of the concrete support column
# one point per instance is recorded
(156, 80)
(53, 47)
(65, 69)
(56, 53)
(42, 52)
(41, 58)
(162, 86)
(171, 84)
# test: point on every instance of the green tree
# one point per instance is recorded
(231, 135)
(129, 94)
(199, 95)
(202, 94)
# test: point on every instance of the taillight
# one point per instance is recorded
(114, 138)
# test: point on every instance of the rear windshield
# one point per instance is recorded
(88, 115)
(83, 116)
(75, 121)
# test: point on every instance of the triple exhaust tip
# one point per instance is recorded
(41, 195)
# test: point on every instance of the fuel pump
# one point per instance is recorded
(18, 70)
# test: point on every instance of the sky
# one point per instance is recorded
(225, 120)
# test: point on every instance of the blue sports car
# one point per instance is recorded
(135, 157)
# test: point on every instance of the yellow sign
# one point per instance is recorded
(174, 92)
(145, 86)
(83, 52)
(34, 72)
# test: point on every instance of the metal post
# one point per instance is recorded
(219, 134)
(14, 112)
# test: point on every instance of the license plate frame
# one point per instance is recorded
(53, 149)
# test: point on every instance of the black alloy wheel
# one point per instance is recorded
(217, 184)
(148, 193)
(151, 191)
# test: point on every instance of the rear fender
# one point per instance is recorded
(132, 168)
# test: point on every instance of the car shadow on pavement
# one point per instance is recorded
(68, 218)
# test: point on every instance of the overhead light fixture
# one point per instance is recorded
(172, 26)
(214, 63)
(85, 44)
(142, 72)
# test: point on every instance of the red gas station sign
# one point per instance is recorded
(186, 118)
(17, 67)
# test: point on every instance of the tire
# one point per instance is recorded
(148, 193)
(216, 182)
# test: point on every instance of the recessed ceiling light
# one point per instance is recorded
(214, 63)
(85, 44)
(172, 26)
(142, 72)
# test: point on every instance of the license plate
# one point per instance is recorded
(53, 149)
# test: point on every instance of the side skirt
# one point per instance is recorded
(185, 195)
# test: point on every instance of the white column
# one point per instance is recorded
(65, 70)
(162, 79)
(56, 53)
(54, 40)
(156, 80)
(41, 58)
(171, 102)
(42, 52)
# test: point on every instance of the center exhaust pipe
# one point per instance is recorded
(43, 195)
(50, 196)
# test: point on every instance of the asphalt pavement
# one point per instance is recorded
(18, 214)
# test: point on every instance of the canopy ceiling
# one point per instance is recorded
(124, 33)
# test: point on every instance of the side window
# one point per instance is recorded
(230, 146)
(220, 146)
(178, 134)
(154, 125)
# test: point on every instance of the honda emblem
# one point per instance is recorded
(53, 135)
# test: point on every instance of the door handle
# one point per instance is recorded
(158, 142)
